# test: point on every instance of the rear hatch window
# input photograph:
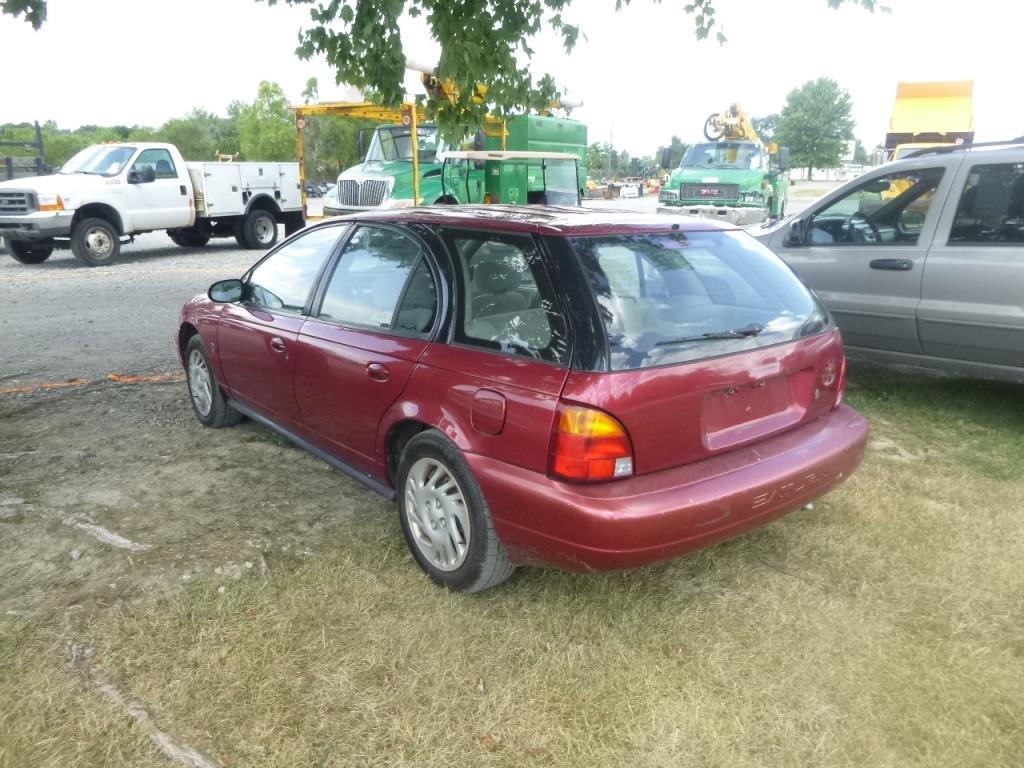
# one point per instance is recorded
(671, 298)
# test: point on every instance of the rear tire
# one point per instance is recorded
(208, 402)
(445, 518)
(29, 252)
(259, 229)
(95, 242)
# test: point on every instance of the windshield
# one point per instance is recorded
(724, 154)
(390, 144)
(673, 298)
(102, 160)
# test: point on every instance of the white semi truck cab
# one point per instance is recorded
(108, 193)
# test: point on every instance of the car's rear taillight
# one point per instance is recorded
(833, 379)
(590, 445)
(841, 384)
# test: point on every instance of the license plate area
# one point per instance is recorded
(745, 412)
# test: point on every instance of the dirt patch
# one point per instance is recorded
(111, 490)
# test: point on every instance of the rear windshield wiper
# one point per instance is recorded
(736, 333)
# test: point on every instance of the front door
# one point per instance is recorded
(256, 340)
(972, 302)
(356, 353)
(163, 203)
(863, 253)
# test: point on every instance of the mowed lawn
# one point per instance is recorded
(885, 627)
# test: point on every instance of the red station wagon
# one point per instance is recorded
(536, 385)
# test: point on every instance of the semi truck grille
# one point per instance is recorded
(711, 192)
(16, 202)
(368, 193)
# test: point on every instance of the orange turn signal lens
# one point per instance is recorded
(590, 445)
(56, 205)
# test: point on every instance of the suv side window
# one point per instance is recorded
(991, 208)
(887, 210)
(284, 279)
(382, 282)
(159, 160)
(506, 302)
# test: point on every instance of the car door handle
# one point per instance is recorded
(893, 265)
(277, 344)
(378, 372)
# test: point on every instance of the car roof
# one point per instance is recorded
(541, 219)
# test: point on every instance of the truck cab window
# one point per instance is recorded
(159, 160)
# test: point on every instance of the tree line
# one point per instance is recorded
(263, 129)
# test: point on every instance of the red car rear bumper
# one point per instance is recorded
(653, 517)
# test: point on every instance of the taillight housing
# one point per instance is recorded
(833, 379)
(589, 445)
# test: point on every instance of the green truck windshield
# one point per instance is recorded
(740, 155)
(394, 144)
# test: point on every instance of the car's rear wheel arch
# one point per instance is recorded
(398, 437)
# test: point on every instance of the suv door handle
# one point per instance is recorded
(277, 344)
(893, 265)
(378, 372)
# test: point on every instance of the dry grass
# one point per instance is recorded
(883, 628)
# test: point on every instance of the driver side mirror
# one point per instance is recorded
(666, 158)
(145, 175)
(226, 291)
(479, 141)
(784, 159)
(911, 221)
(796, 232)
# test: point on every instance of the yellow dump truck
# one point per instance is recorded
(930, 114)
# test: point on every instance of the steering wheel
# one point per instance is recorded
(854, 234)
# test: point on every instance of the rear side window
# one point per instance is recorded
(673, 298)
(506, 302)
(991, 208)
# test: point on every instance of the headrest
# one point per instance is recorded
(497, 276)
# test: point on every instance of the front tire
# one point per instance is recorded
(29, 252)
(208, 402)
(259, 229)
(95, 242)
(445, 518)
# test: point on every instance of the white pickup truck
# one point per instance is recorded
(108, 193)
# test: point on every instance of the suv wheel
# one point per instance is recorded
(445, 518)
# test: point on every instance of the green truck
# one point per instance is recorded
(732, 176)
(385, 177)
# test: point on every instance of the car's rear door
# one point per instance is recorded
(370, 324)
(863, 253)
(256, 337)
(972, 299)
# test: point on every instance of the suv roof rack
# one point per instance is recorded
(945, 150)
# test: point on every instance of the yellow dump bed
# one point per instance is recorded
(934, 112)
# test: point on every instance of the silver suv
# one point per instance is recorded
(921, 261)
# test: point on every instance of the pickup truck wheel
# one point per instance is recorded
(95, 242)
(259, 229)
(29, 252)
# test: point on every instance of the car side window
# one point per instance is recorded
(506, 302)
(991, 207)
(284, 279)
(886, 210)
(159, 160)
(382, 281)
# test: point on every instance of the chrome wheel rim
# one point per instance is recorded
(438, 517)
(98, 242)
(200, 385)
(265, 229)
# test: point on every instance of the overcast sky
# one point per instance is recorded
(641, 74)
